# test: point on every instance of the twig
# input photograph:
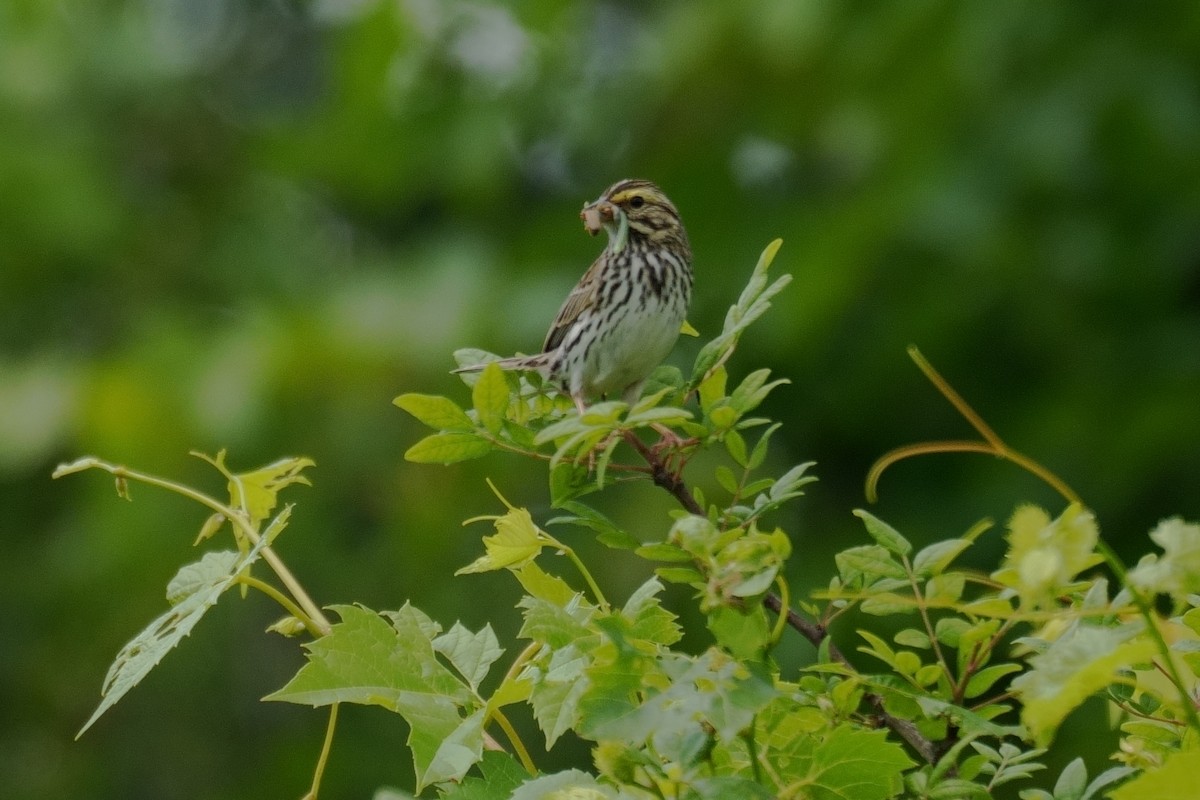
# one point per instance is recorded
(816, 634)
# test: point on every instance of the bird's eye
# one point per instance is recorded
(637, 202)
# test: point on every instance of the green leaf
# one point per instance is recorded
(712, 389)
(516, 541)
(753, 390)
(587, 517)
(911, 637)
(192, 592)
(870, 562)
(745, 633)
(883, 533)
(447, 448)
(557, 691)
(1044, 555)
(439, 413)
(752, 304)
(1081, 662)
(470, 653)
(933, 559)
(501, 774)
(847, 763)
(725, 477)
(490, 398)
(736, 446)
(983, 680)
(572, 784)
(1072, 781)
(759, 453)
(1177, 571)
(1174, 780)
(388, 660)
(256, 492)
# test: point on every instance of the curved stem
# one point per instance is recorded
(283, 600)
(781, 619)
(324, 757)
(994, 445)
(235, 517)
(583, 570)
(511, 733)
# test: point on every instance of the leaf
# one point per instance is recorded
(712, 389)
(448, 447)
(439, 413)
(256, 492)
(516, 541)
(572, 784)
(470, 653)
(501, 774)
(1078, 664)
(867, 561)
(752, 304)
(846, 763)
(1177, 571)
(911, 637)
(1174, 780)
(587, 517)
(490, 398)
(933, 559)
(1072, 781)
(983, 680)
(192, 592)
(1044, 555)
(556, 694)
(388, 660)
(883, 533)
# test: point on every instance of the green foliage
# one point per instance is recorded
(962, 678)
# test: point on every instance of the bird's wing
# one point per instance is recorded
(582, 296)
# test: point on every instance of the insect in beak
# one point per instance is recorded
(594, 215)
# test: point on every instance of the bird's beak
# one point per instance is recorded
(595, 215)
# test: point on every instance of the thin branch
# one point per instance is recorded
(814, 633)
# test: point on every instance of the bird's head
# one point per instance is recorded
(633, 208)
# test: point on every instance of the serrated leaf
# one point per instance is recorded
(1044, 555)
(501, 774)
(883, 533)
(470, 653)
(388, 660)
(1078, 664)
(516, 541)
(556, 694)
(847, 763)
(194, 589)
(257, 492)
(572, 784)
(439, 413)
(448, 447)
(1177, 571)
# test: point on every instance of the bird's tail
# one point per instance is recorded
(538, 363)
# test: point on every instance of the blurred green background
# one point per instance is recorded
(251, 225)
